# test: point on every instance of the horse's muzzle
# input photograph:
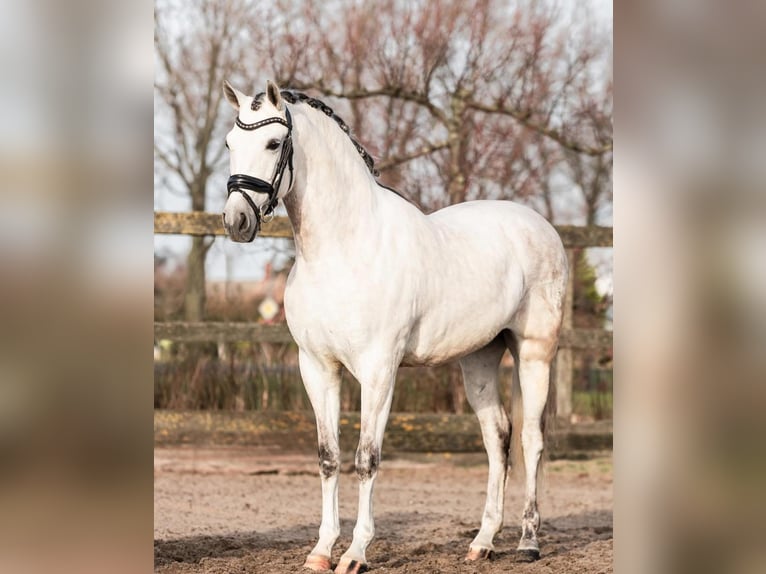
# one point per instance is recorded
(240, 226)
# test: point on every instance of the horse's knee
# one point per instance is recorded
(329, 461)
(367, 460)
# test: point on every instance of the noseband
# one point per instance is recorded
(240, 182)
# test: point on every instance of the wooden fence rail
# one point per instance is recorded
(233, 332)
(200, 223)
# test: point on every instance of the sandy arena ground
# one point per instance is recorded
(245, 509)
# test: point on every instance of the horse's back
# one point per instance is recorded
(506, 231)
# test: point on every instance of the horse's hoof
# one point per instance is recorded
(348, 566)
(527, 555)
(479, 554)
(318, 563)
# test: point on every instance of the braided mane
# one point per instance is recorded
(293, 97)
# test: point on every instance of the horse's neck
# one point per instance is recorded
(334, 197)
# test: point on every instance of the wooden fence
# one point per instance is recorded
(200, 223)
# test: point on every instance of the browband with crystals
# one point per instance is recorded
(259, 124)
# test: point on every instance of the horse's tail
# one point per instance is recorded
(516, 454)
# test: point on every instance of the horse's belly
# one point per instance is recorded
(438, 341)
(473, 302)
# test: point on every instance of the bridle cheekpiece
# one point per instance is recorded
(240, 182)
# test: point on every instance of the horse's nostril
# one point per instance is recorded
(242, 222)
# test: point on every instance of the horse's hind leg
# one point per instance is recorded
(533, 361)
(480, 376)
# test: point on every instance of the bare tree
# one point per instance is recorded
(592, 175)
(456, 100)
(476, 99)
(196, 45)
(467, 100)
(462, 100)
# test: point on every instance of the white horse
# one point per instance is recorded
(377, 284)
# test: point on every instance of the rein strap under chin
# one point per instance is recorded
(241, 182)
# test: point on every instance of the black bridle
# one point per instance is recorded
(240, 182)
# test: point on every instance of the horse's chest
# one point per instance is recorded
(344, 315)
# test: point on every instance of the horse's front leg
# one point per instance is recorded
(377, 392)
(322, 382)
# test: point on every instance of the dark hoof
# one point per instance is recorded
(527, 555)
(479, 554)
(346, 566)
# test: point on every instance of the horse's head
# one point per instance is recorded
(261, 153)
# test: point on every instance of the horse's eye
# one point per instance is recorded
(272, 145)
(227, 145)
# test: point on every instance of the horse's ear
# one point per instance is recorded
(233, 96)
(272, 92)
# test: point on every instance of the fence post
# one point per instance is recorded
(564, 357)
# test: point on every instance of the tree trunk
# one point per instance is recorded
(456, 188)
(457, 388)
(194, 296)
(565, 357)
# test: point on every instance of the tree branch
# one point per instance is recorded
(524, 118)
(171, 165)
(388, 91)
(392, 162)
